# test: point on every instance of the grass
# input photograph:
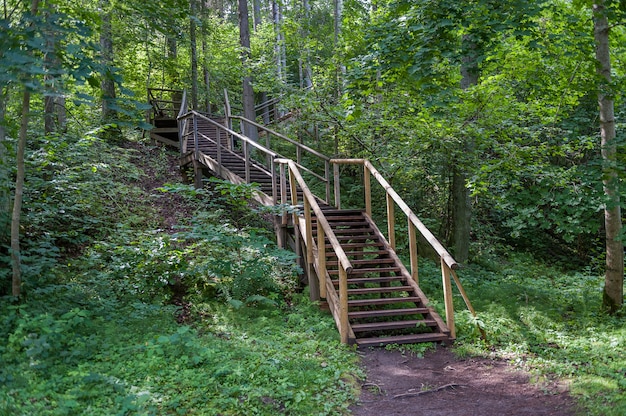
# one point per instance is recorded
(546, 321)
(97, 333)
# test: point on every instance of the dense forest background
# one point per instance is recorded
(501, 123)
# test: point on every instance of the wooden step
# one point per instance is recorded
(383, 289)
(334, 211)
(368, 270)
(370, 237)
(347, 230)
(383, 301)
(359, 253)
(364, 280)
(386, 326)
(164, 130)
(359, 245)
(343, 218)
(363, 262)
(387, 312)
(402, 339)
(339, 222)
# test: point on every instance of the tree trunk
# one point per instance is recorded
(279, 48)
(341, 69)
(205, 61)
(306, 81)
(462, 215)
(461, 203)
(613, 295)
(194, 56)
(248, 92)
(50, 62)
(5, 197)
(172, 62)
(16, 263)
(106, 46)
(17, 200)
(257, 14)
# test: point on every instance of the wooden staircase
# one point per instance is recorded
(351, 265)
(385, 305)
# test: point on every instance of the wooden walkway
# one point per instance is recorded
(351, 265)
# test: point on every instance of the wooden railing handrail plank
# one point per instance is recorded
(229, 131)
(164, 90)
(426, 233)
(321, 218)
(283, 137)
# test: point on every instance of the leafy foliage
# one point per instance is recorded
(98, 334)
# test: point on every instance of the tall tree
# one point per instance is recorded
(194, 54)
(16, 285)
(54, 102)
(107, 84)
(306, 72)
(613, 295)
(248, 91)
(419, 43)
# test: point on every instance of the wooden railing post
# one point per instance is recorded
(274, 184)
(447, 296)
(391, 222)
(327, 179)
(336, 185)
(368, 190)
(321, 259)
(294, 217)
(195, 136)
(246, 155)
(299, 151)
(343, 304)
(413, 251)
(268, 147)
(197, 168)
(283, 190)
(314, 290)
(219, 148)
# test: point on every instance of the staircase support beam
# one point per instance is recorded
(447, 296)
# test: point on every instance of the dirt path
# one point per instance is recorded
(441, 384)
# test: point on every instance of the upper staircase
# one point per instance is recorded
(351, 265)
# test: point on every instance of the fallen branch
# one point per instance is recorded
(419, 393)
(380, 390)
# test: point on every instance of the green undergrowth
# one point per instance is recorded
(543, 320)
(112, 358)
(124, 316)
(201, 318)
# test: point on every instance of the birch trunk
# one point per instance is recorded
(16, 282)
(613, 295)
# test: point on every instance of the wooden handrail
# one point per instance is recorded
(432, 240)
(448, 264)
(345, 266)
(183, 105)
(285, 138)
(163, 89)
(299, 146)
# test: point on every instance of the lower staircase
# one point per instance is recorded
(385, 305)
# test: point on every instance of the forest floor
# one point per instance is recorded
(441, 384)
(398, 383)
